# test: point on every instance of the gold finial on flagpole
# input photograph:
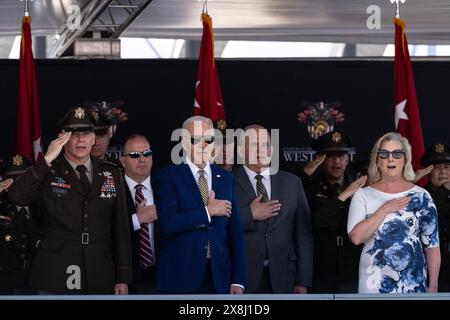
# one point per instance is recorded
(27, 7)
(205, 5)
(397, 7)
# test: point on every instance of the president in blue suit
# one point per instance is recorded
(202, 249)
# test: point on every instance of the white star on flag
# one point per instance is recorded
(400, 113)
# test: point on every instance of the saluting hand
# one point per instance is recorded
(4, 185)
(312, 166)
(55, 147)
(420, 173)
(352, 188)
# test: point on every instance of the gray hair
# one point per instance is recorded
(374, 172)
(194, 119)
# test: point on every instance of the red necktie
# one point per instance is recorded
(145, 252)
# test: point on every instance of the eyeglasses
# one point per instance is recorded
(396, 154)
(206, 139)
(137, 154)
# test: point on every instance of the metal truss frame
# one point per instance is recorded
(101, 19)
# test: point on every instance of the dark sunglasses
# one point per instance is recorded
(396, 154)
(137, 154)
(207, 139)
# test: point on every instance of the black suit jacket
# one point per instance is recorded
(137, 277)
(286, 238)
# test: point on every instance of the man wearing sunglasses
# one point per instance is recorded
(202, 247)
(329, 188)
(137, 162)
(85, 246)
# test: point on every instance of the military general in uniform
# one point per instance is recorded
(329, 188)
(85, 247)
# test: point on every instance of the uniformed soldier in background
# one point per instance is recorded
(85, 247)
(103, 136)
(438, 156)
(19, 232)
(329, 188)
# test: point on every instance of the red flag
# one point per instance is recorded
(208, 96)
(28, 129)
(407, 116)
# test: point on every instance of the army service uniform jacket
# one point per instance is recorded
(441, 197)
(336, 259)
(85, 246)
(18, 235)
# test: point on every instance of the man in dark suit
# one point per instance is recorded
(137, 162)
(85, 246)
(202, 249)
(275, 215)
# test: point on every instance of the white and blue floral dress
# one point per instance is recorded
(393, 259)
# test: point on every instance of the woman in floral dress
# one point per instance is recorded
(397, 222)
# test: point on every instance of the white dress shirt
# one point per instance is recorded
(149, 200)
(208, 176)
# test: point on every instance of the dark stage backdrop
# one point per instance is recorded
(159, 94)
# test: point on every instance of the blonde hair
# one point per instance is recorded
(374, 171)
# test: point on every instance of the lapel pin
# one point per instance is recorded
(217, 175)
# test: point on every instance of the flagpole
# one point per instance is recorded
(27, 7)
(397, 7)
(205, 6)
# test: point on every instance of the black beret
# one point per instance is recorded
(436, 153)
(330, 142)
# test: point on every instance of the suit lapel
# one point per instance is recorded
(190, 182)
(244, 182)
(97, 177)
(275, 186)
(215, 176)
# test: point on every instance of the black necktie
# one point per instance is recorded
(83, 179)
(23, 212)
(23, 217)
(261, 189)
